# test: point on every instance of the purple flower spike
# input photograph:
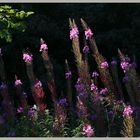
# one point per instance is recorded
(104, 65)
(88, 33)
(86, 49)
(74, 33)
(68, 75)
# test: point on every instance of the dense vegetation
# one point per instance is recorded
(42, 63)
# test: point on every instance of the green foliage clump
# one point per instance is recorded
(11, 20)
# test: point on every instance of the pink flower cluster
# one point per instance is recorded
(18, 82)
(38, 84)
(125, 65)
(20, 110)
(127, 111)
(88, 130)
(27, 57)
(104, 91)
(74, 33)
(43, 47)
(104, 65)
(93, 87)
(88, 33)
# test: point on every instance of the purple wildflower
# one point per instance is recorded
(88, 130)
(20, 110)
(125, 79)
(114, 62)
(74, 33)
(79, 86)
(127, 59)
(18, 82)
(38, 84)
(95, 74)
(127, 111)
(3, 86)
(32, 111)
(86, 49)
(104, 91)
(88, 33)
(63, 102)
(125, 65)
(68, 75)
(133, 65)
(43, 47)
(27, 57)
(104, 65)
(110, 114)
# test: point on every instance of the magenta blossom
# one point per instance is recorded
(95, 74)
(74, 33)
(68, 75)
(113, 62)
(93, 87)
(38, 84)
(88, 33)
(104, 65)
(20, 110)
(127, 111)
(18, 82)
(27, 57)
(43, 47)
(88, 130)
(125, 66)
(104, 91)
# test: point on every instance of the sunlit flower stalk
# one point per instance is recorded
(50, 73)
(36, 86)
(116, 80)
(133, 78)
(128, 122)
(68, 76)
(102, 64)
(21, 95)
